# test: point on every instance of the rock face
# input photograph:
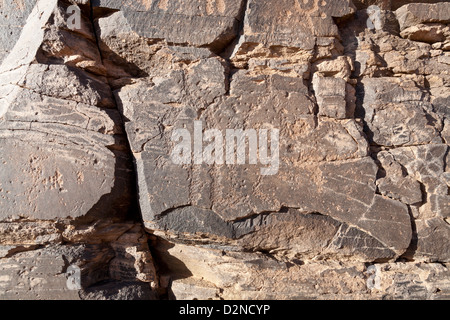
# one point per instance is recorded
(66, 176)
(13, 16)
(210, 24)
(225, 149)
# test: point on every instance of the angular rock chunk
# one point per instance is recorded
(388, 4)
(77, 85)
(404, 189)
(15, 65)
(426, 164)
(195, 289)
(296, 234)
(41, 274)
(430, 33)
(297, 22)
(397, 184)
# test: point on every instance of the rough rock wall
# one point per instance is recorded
(66, 193)
(356, 205)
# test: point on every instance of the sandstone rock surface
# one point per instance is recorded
(315, 159)
(66, 179)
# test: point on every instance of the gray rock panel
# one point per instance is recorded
(200, 23)
(416, 13)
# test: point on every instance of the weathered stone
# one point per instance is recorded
(14, 67)
(358, 179)
(212, 200)
(63, 136)
(427, 165)
(29, 233)
(331, 94)
(132, 260)
(205, 269)
(298, 23)
(387, 4)
(193, 290)
(416, 13)
(74, 46)
(382, 55)
(119, 290)
(66, 178)
(310, 236)
(397, 114)
(379, 20)
(397, 184)
(433, 239)
(171, 186)
(55, 182)
(430, 33)
(41, 273)
(13, 16)
(125, 264)
(363, 4)
(198, 23)
(341, 67)
(78, 86)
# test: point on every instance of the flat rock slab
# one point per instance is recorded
(44, 274)
(417, 13)
(292, 23)
(398, 114)
(200, 23)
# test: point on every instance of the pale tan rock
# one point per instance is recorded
(193, 289)
(262, 277)
(341, 67)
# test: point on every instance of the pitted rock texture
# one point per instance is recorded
(349, 198)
